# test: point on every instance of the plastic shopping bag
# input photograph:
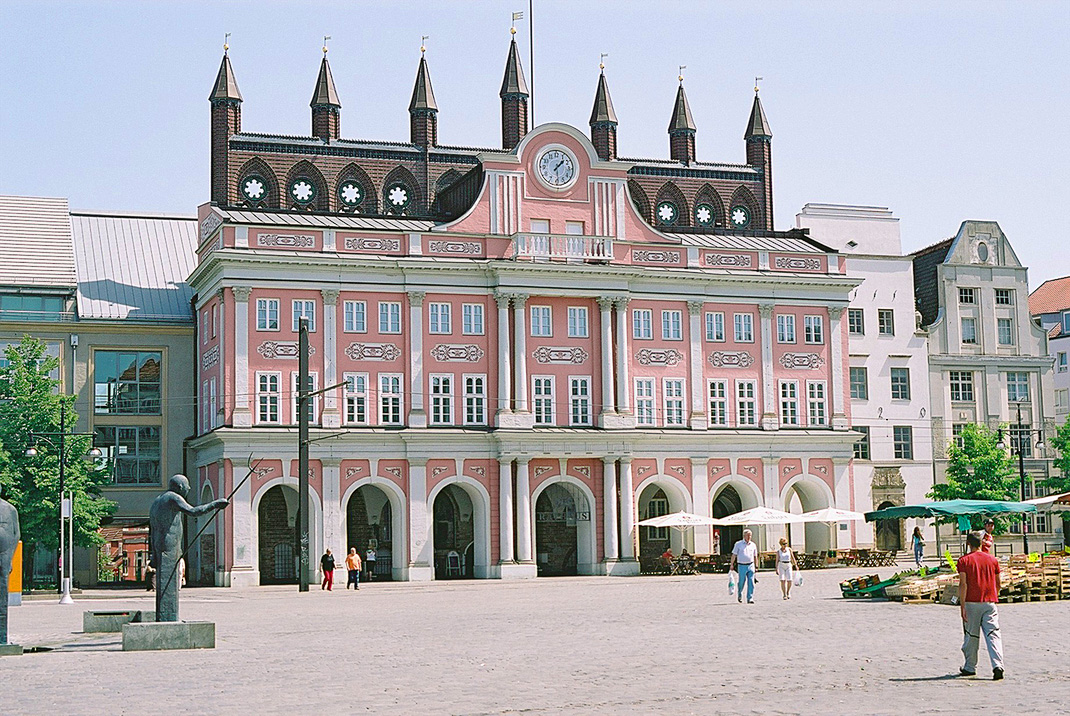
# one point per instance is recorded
(798, 579)
(732, 582)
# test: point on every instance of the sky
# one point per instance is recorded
(942, 112)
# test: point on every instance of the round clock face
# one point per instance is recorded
(704, 215)
(253, 187)
(667, 212)
(740, 217)
(556, 168)
(302, 190)
(351, 193)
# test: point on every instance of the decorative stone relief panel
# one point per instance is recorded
(657, 356)
(557, 354)
(731, 359)
(810, 361)
(210, 224)
(455, 353)
(739, 260)
(299, 241)
(364, 243)
(656, 257)
(281, 349)
(797, 263)
(210, 357)
(468, 248)
(373, 351)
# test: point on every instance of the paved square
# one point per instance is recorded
(582, 645)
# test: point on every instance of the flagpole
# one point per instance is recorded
(531, 56)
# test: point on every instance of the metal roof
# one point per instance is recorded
(134, 267)
(35, 241)
(603, 103)
(748, 243)
(321, 221)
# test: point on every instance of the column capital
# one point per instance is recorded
(625, 459)
(609, 459)
(606, 302)
(416, 298)
(697, 461)
(835, 312)
(518, 299)
(241, 293)
(221, 294)
(695, 307)
(330, 461)
(418, 461)
(765, 310)
(621, 302)
(523, 459)
(505, 459)
(330, 296)
(502, 299)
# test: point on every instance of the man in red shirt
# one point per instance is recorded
(978, 594)
(987, 542)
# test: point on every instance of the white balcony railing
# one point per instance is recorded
(561, 246)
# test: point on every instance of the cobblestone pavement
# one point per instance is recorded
(584, 645)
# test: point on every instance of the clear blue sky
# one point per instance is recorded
(940, 111)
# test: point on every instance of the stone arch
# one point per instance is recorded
(354, 172)
(743, 196)
(399, 558)
(670, 192)
(586, 534)
(403, 176)
(206, 547)
(322, 200)
(678, 498)
(640, 200)
(708, 195)
(731, 494)
(315, 521)
(480, 498)
(257, 166)
(806, 493)
(888, 534)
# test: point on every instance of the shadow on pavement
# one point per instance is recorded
(945, 677)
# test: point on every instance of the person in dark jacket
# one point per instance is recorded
(327, 563)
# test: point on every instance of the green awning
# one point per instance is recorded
(951, 508)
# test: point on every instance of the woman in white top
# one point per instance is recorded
(785, 561)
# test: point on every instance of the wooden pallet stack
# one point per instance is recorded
(1044, 580)
(922, 590)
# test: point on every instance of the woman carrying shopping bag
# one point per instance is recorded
(785, 564)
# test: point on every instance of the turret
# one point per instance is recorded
(423, 111)
(326, 109)
(682, 129)
(226, 121)
(759, 153)
(514, 96)
(603, 120)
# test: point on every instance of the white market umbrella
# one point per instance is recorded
(760, 516)
(679, 519)
(1052, 502)
(831, 514)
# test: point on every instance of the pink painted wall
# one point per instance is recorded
(802, 375)
(590, 367)
(437, 362)
(788, 468)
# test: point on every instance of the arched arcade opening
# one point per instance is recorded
(370, 526)
(564, 530)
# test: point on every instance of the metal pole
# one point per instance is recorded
(1021, 475)
(531, 60)
(302, 452)
(62, 483)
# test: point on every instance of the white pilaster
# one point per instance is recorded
(624, 383)
(627, 510)
(243, 416)
(332, 416)
(839, 412)
(842, 492)
(771, 493)
(334, 535)
(505, 371)
(770, 418)
(520, 328)
(523, 512)
(700, 499)
(421, 563)
(417, 413)
(609, 500)
(245, 566)
(505, 510)
(699, 420)
(605, 329)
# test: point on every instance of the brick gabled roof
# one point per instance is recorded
(926, 289)
(1053, 296)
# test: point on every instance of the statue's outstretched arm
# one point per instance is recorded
(180, 503)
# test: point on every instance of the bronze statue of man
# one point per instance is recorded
(165, 533)
(9, 541)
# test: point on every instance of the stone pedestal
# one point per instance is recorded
(160, 636)
(518, 570)
(10, 650)
(108, 622)
(622, 568)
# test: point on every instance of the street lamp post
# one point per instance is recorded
(1018, 447)
(66, 504)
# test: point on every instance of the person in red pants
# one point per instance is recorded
(327, 563)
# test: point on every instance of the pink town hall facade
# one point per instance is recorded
(539, 346)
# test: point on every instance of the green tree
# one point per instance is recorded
(1061, 482)
(978, 470)
(30, 403)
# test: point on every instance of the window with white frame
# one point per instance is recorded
(204, 407)
(304, 309)
(540, 321)
(389, 317)
(355, 317)
(900, 383)
(815, 403)
(969, 331)
(441, 399)
(1017, 387)
(540, 226)
(1062, 398)
(215, 318)
(542, 399)
(859, 383)
(438, 320)
(356, 398)
(574, 228)
(475, 400)
(715, 327)
(1005, 331)
(267, 314)
(814, 329)
(390, 399)
(956, 434)
(1066, 322)
(785, 328)
(671, 325)
(644, 401)
(674, 401)
(718, 393)
(1004, 297)
(744, 325)
(746, 403)
(579, 393)
(903, 442)
(313, 401)
(861, 448)
(885, 322)
(577, 322)
(789, 402)
(961, 382)
(267, 397)
(204, 327)
(472, 318)
(642, 324)
(856, 321)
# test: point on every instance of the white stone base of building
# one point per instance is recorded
(517, 570)
(621, 567)
(241, 578)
